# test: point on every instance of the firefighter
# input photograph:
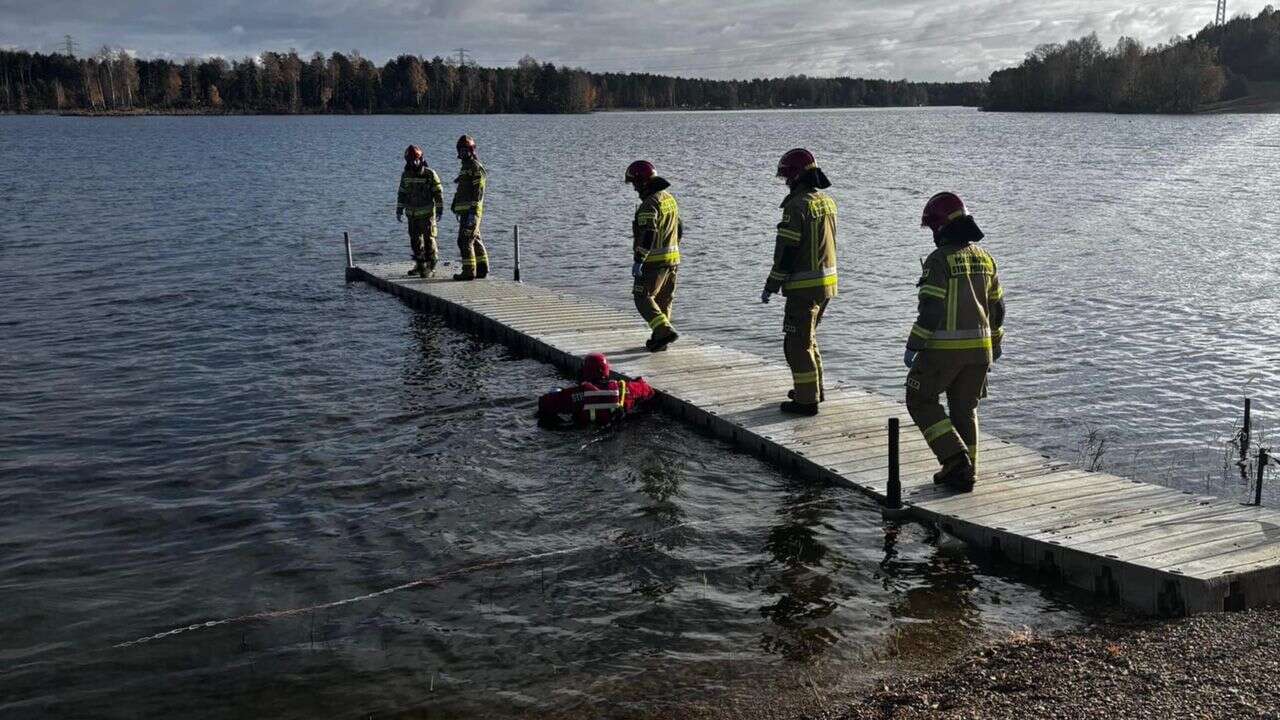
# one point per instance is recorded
(420, 198)
(596, 399)
(804, 269)
(955, 339)
(468, 206)
(656, 231)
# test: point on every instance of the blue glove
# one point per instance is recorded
(764, 296)
(909, 358)
(637, 270)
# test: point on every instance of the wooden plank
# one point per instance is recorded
(1186, 539)
(1114, 520)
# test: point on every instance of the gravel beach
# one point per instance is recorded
(1210, 666)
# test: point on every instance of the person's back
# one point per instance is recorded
(963, 276)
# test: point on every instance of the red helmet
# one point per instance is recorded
(941, 210)
(639, 171)
(411, 153)
(795, 162)
(466, 146)
(595, 367)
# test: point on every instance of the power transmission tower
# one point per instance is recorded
(463, 53)
(1221, 17)
(70, 45)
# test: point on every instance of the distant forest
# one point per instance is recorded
(1218, 64)
(286, 83)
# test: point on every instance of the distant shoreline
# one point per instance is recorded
(1258, 107)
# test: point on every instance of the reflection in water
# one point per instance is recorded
(936, 613)
(659, 480)
(804, 585)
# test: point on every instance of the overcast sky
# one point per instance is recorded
(915, 39)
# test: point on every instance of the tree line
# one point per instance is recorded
(1179, 76)
(115, 81)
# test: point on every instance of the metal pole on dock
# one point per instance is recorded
(893, 494)
(516, 233)
(1247, 430)
(346, 239)
(1262, 469)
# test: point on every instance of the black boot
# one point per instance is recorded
(822, 395)
(482, 271)
(658, 344)
(462, 276)
(956, 474)
(792, 407)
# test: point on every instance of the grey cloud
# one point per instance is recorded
(918, 39)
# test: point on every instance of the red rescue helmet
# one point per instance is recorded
(794, 162)
(639, 171)
(466, 146)
(411, 153)
(942, 210)
(595, 366)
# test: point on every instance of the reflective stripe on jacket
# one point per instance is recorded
(420, 192)
(961, 304)
(657, 228)
(468, 198)
(804, 255)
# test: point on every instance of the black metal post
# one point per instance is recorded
(893, 494)
(516, 234)
(1262, 468)
(1247, 431)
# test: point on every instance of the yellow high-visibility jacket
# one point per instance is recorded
(420, 192)
(657, 228)
(804, 256)
(961, 305)
(469, 197)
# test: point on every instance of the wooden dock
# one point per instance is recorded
(1159, 550)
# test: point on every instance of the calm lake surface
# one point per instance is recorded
(199, 420)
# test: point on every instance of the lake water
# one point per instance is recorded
(201, 421)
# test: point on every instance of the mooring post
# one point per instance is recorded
(1247, 430)
(893, 495)
(1262, 469)
(346, 239)
(516, 234)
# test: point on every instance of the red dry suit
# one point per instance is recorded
(596, 403)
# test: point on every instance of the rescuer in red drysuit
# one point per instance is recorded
(596, 399)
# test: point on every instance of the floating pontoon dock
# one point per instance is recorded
(1159, 550)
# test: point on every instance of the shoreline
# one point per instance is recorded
(1256, 107)
(1208, 666)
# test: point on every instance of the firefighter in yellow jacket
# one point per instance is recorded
(955, 339)
(656, 232)
(804, 269)
(468, 206)
(420, 197)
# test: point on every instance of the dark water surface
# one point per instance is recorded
(199, 420)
